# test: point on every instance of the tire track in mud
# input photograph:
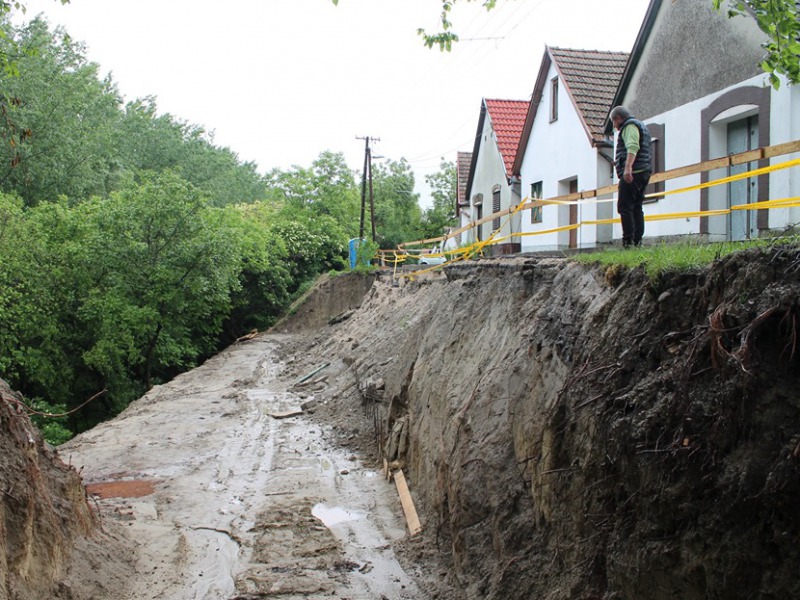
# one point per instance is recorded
(244, 505)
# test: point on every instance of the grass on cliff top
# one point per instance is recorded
(660, 258)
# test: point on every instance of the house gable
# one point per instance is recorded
(589, 78)
(508, 118)
(501, 121)
(686, 50)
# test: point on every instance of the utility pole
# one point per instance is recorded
(367, 177)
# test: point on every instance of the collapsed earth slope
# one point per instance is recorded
(576, 432)
(43, 507)
(568, 432)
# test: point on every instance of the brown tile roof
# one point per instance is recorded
(508, 119)
(592, 77)
(463, 160)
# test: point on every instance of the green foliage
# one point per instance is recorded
(444, 189)
(9, 50)
(66, 134)
(50, 420)
(326, 189)
(60, 123)
(398, 217)
(162, 266)
(365, 252)
(445, 38)
(778, 19)
(131, 247)
(152, 142)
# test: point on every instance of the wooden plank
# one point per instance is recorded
(746, 157)
(781, 149)
(293, 412)
(414, 526)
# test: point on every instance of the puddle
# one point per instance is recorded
(333, 515)
(122, 489)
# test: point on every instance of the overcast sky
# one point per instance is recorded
(279, 81)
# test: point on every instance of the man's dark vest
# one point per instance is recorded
(642, 162)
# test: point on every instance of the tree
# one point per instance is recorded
(8, 52)
(162, 265)
(152, 142)
(444, 187)
(778, 19)
(328, 187)
(61, 119)
(397, 213)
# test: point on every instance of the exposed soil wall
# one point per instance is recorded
(331, 297)
(568, 432)
(580, 432)
(43, 508)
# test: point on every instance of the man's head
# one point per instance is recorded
(618, 115)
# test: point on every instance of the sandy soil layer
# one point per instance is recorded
(243, 504)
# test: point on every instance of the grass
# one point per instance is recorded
(661, 258)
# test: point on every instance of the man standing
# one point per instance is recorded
(633, 169)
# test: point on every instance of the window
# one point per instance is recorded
(536, 193)
(554, 99)
(496, 207)
(656, 158)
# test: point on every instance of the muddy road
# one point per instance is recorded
(222, 497)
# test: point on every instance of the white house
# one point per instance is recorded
(694, 77)
(490, 188)
(563, 148)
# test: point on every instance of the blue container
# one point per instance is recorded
(354, 244)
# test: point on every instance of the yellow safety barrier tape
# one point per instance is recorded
(466, 252)
(781, 203)
(744, 175)
(738, 177)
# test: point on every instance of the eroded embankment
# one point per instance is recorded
(577, 432)
(43, 507)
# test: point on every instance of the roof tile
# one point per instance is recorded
(508, 119)
(592, 77)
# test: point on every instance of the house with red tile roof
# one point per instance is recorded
(564, 149)
(694, 76)
(490, 186)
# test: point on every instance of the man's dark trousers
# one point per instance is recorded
(629, 206)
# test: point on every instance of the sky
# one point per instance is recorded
(281, 81)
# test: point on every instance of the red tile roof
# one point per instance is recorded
(508, 119)
(592, 77)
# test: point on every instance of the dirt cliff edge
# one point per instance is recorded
(576, 432)
(567, 431)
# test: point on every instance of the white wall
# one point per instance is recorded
(557, 152)
(490, 171)
(682, 133)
